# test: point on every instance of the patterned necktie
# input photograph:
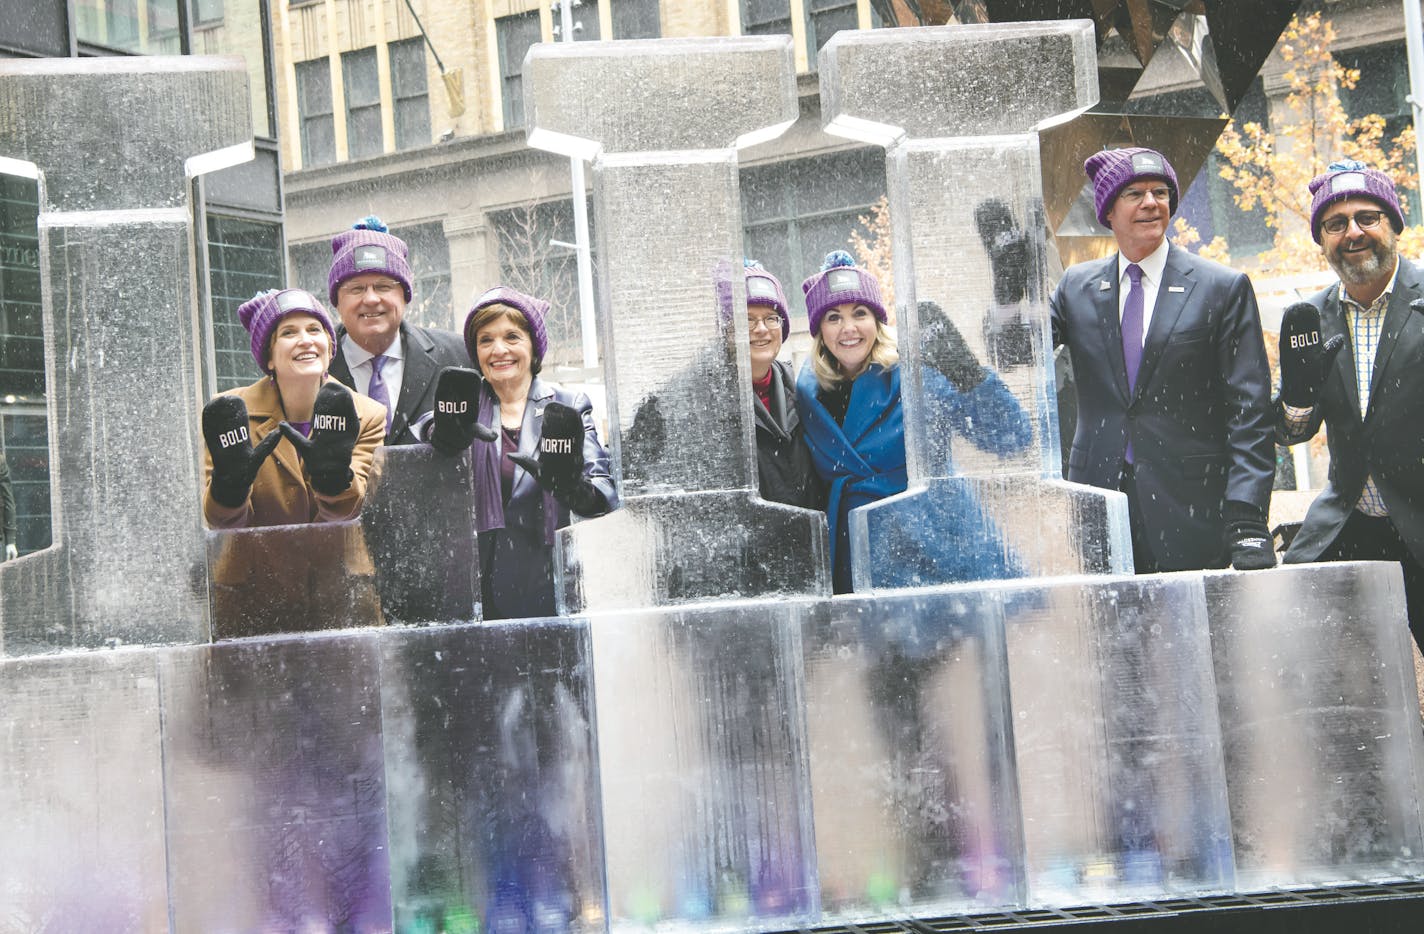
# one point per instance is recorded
(1132, 334)
(377, 389)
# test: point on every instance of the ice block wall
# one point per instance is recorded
(662, 121)
(112, 142)
(957, 108)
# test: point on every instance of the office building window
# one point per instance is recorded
(22, 377)
(530, 262)
(244, 258)
(25, 437)
(408, 88)
(207, 12)
(636, 19)
(314, 108)
(363, 103)
(796, 212)
(516, 34)
(766, 17)
(116, 24)
(585, 19)
(825, 18)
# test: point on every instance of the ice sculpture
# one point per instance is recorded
(957, 108)
(121, 364)
(675, 361)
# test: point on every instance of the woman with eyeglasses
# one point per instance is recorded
(849, 395)
(784, 468)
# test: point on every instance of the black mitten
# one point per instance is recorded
(1247, 539)
(946, 350)
(235, 460)
(456, 424)
(559, 465)
(1008, 249)
(335, 428)
(1305, 359)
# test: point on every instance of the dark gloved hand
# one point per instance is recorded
(235, 460)
(1247, 539)
(335, 428)
(1305, 359)
(559, 465)
(946, 350)
(1008, 247)
(456, 424)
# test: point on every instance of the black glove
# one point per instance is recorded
(559, 465)
(1008, 249)
(335, 428)
(456, 424)
(1247, 539)
(235, 460)
(945, 349)
(1305, 360)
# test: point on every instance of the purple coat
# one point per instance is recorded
(517, 537)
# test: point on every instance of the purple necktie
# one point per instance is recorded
(377, 389)
(1132, 334)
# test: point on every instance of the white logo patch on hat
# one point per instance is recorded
(1145, 162)
(294, 300)
(760, 288)
(369, 257)
(843, 280)
(1347, 181)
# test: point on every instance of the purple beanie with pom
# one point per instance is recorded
(368, 247)
(841, 280)
(1112, 170)
(534, 310)
(1351, 179)
(764, 289)
(260, 314)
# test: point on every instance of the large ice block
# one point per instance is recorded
(909, 741)
(702, 764)
(1319, 717)
(661, 121)
(1116, 739)
(112, 142)
(957, 108)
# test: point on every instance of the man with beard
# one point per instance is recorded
(1371, 395)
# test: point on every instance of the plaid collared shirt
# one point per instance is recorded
(1366, 325)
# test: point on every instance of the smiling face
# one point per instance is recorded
(849, 330)
(1360, 257)
(1139, 216)
(765, 336)
(504, 352)
(371, 306)
(300, 348)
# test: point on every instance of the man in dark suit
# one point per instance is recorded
(1172, 380)
(377, 353)
(1371, 395)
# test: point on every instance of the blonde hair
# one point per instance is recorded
(828, 369)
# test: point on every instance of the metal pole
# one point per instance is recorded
(585, 260)
(1414, 46)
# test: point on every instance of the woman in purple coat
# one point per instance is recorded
(545, 463)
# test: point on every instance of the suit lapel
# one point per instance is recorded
(540, 395)
(1165, 313)
(339, 369)
(1396, 318)
(1105, 307)
(1332, 322)
(418, 374)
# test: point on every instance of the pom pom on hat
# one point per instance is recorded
(1350, 178)
(368, 247)
(261, 313)
(840, 281)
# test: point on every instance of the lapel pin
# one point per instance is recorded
(1176, 288)
(1104, 286)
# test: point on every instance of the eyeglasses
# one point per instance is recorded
(770, 322)
(1135, 195)
(383, 288)
(1365, 220)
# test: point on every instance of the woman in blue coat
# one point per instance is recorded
(545, 462)
(849, 395)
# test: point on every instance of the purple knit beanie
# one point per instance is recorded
(1351, 179)
(764, 289)
(1112, 170)
(841, 280)
(368, 247)
(533, 309)
(260, 314)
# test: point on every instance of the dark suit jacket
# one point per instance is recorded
(1200, 416)
(1388, 443)
(427, 352)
